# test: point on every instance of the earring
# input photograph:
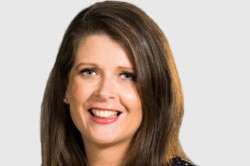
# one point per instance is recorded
(65, 101)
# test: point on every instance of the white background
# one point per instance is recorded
(210, 41)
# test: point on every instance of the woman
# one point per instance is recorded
(113, 96)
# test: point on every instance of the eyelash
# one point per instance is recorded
(88, 71)
(128, 76)
(124, 74)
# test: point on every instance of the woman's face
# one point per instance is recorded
(104, 102)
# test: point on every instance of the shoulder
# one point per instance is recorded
(177, 161)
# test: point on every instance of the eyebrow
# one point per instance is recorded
(85, 64)
(95, 65)
(125, 68)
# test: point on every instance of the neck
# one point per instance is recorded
(108, 155)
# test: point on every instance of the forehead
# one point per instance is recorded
(101, 47)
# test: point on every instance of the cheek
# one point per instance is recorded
(77, 96)
(132, 96)
(133, 103)
(77, 92)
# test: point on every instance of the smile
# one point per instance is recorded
(104, 113)
(104, 116)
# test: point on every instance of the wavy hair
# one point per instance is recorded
(158, 85)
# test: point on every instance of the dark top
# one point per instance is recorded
(177, 161)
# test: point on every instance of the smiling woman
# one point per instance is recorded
(102, 97)
(113, 96)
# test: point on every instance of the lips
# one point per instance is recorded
(104, 113)
(104, 116)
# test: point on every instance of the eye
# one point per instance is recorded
(88, 72)
(128, 76)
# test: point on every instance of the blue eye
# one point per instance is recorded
(128, 76)
(88, 72)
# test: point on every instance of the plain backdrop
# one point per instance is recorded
(211, 45)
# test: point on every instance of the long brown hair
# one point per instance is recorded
(158, 84)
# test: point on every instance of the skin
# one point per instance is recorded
(103, 78)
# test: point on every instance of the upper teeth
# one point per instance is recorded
(104, 113)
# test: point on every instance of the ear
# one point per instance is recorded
(65, 100)
(66, 97)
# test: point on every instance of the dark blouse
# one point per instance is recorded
(177, 161)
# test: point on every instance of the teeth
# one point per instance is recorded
(104, 113)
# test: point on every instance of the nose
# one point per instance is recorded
(106, 89)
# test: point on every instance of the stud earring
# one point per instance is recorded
(65, 101)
